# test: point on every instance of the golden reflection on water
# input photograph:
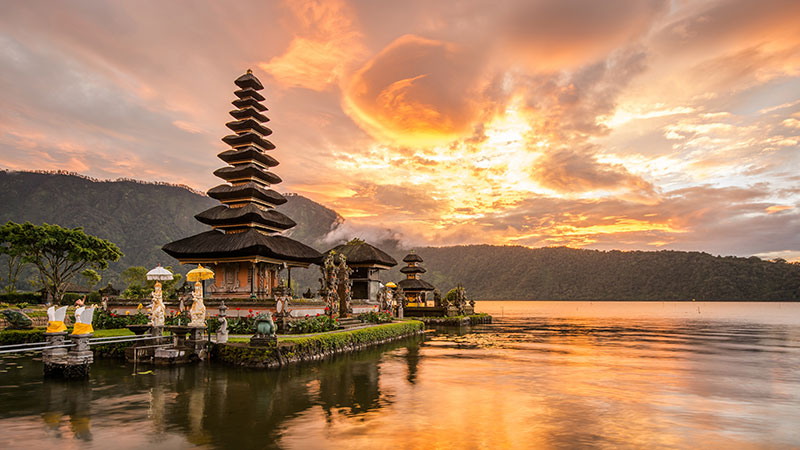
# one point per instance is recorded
(545, 374)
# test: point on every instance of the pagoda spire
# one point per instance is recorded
(245, 247)
(247, 200)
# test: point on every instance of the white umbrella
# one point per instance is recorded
(159, 274)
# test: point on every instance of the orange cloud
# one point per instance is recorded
(416, 91)
(327, 43)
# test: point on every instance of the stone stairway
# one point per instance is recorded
(349, 322)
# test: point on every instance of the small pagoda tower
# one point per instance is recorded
(245, 248)
(415, 289)
(365, 260)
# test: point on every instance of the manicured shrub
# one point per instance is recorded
(21, 297)
(375, 317)
(9, 337)
(313, 324)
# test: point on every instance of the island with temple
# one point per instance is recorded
(244, 262)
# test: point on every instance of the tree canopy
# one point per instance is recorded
(60, 253)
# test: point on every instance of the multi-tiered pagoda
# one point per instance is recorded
(415, 289)
(245, 248)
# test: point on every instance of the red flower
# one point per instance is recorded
(237, 308)
(250, 311)
(306, 315)
(317, 314)
(326, 308)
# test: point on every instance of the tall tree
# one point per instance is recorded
(12, 246)
(61, 253)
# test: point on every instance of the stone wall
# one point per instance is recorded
(314, 348)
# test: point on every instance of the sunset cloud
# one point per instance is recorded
(415, 91)
(326, 43)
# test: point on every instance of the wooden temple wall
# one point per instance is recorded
(233, 280)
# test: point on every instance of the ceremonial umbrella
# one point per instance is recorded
(200, 273)
(159, 274)
(391, 285)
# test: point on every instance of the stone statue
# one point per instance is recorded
(197, 313)
(265, 331)
(158, 310)
(329, 285)
(104, 302)
(437, 298)
(222, 332)
(343, 286)
(17, 320)
(264, 325)
(383, 303)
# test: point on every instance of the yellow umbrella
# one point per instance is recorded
(391, 285)
(200, 273)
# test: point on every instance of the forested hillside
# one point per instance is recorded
(139, 217)
(142, 217)
(520, 273)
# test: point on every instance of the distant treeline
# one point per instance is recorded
(521, 273)
(142, 217)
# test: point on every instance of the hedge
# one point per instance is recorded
(13, 298)
(293, 350)
(10, 337)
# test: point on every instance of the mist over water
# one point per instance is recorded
(545, 374)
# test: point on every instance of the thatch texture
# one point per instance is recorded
(248, 112)
(240, 126)
(412, 257)
(246, 154)
(245, 139)
(249, 93)
(362, 253)
(216, 244)
(245, 171)
(415, 285)
(225, 192)
(224, 216)
(413, 269)
(249, 80)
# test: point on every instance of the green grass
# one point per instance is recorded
(113, 332)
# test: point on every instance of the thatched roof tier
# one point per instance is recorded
(248, 245)
(229, 194)
(249, 93)
(249, 80)
(247, 139)
(245, 155)
(248, 215)
(415, 285)
(249, 102)
(249, 112)
(412, 257)
(241, 126)
(247, 172)
(413, 269)
(361, 253)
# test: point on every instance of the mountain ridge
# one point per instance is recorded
(142, 216)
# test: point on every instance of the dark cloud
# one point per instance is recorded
(574, 171)
(553, 36)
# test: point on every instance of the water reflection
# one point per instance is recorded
(538, 377)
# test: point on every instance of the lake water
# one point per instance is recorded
(545, 374)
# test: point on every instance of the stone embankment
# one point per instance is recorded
(473, 319)
(313, 348)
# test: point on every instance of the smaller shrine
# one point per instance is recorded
(365, 261)
(415, 289)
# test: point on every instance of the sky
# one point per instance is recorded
(614, 124)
